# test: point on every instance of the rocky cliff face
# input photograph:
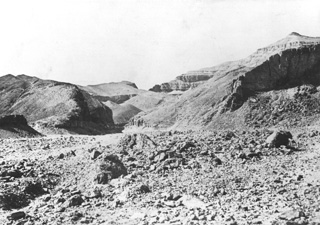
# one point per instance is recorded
(232, 83)
(53, 104)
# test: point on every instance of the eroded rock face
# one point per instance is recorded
(292, 68)
(190, 78)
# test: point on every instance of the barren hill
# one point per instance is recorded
(288, 64)
(125, 99)
(53, 104)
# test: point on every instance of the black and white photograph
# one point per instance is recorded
(160, 112)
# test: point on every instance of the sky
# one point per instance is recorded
(143, 41)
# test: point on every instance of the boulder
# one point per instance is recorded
(75, 200)
(16, 215)
(191, 202)
(108, 168)
(279, 138)
(103, 177)
(95, 154)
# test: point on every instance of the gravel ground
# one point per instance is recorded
(218, 177)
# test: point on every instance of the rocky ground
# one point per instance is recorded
(219, 177)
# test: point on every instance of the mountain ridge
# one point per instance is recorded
(280, 67)
(291, 41)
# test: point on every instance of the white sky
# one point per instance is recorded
(143, 41)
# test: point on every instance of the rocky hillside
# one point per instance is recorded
(194, 78)
(223, 100)
(50, 104)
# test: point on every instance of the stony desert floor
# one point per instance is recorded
(218, 177)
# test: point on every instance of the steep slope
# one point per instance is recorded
(290, 62)
(53, 104)
(195, 78)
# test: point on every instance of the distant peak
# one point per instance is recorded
(294, 34)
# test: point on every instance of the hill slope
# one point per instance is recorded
(53, 104)
(288, 63)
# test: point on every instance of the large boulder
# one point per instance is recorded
(279, 138)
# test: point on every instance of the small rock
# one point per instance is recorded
(95, 154)
(144, 189)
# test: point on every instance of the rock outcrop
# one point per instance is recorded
(53, 104)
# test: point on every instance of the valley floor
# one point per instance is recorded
(169, 178)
